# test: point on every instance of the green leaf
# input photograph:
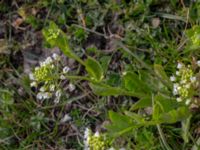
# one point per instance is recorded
(166, 110)
(175, 115)
(113, 79)
(142, 103)
(121, 124)
(185, 129)
(159, 70)
(106, 90)
(6, 97)
(167, 103)
(105, 61)
(132, 82)
(136, 117)
(163, 104)
(94, 69)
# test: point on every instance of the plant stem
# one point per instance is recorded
(163, 138)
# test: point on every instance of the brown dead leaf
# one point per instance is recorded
(4, 47)
(16, 23)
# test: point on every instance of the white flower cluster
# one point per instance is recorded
(96, 141)
(46, 78)
(184, 82)
(87, 135)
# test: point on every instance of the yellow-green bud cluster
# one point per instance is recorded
(43, 73)
(98, 143)
(184, 83)
(52, 34)
(95, 141)
(196, 38)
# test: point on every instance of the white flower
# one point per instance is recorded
(86, 139)
(42, 89)
(179, 66)
(178, 99)
(173, 78)
(39, 96)
(111, 148)
(62, 77)
(178, 88)
(122, 148)
(48, 60)
(52, 66)
(175, 88)
(187, 102)
(52, 87)
(66, 69)
(176, 85)
(175, 91)
(31, 76)
(193, 79)
(65, 118)
(56, 100)
(198, 63)
(58, 93)
(86, 133)
(96, 134)
(55, 56)
(71, 87)
(37, 68)
(47, 95)
(42, 64)
(33, 84)
(187, 86)
(124, 73)
(183, 81)
(177, 73)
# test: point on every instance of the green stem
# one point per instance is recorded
(143, 63)
(163, 138)
(79, 78)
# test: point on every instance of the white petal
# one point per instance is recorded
(33, 84)
(198, 63)
(47, 95)
(177, 73)
(71, 87)
(173, 78)
(40, 96)
(52, 87)
(62, 77)
(58, 93)
(66, 69)
(179, 99)
(187, 102)
(65, 118)
(179, 66)
(48, 60)
(55, 56)
(97, 134)
(31, 76)
(193, 79)
(56, 100)
(42, 89)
